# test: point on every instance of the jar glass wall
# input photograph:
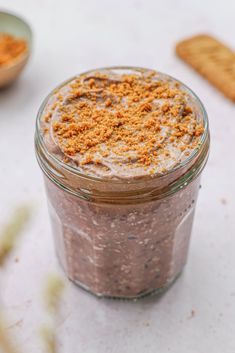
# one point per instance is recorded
(122, 238)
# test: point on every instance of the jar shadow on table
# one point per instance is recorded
(102, 324)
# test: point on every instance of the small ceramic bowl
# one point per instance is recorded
(14, 25)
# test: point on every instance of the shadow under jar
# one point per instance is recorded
(120, 235)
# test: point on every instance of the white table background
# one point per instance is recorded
(72, 36)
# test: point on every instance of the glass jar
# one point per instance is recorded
(122, 239)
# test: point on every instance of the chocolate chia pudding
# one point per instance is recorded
(122, 150)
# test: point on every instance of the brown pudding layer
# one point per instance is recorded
(122, 251)
(122, 151)
(120, 125)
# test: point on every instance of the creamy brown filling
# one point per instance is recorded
(122, 124)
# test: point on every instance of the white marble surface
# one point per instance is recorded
(72, 36)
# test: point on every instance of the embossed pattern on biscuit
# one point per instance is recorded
(212, 59)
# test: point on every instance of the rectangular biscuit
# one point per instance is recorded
(212, 59)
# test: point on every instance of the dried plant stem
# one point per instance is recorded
(52, 296)
(49, 339)
(9, 235)
(52, 293)
(6, 342)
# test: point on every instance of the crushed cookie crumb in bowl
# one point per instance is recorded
(15, 47)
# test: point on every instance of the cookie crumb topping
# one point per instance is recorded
(109, 121)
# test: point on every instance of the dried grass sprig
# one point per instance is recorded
(6, 342)
(52, 298)
(49, 339)
(52, 293)
(10, 233)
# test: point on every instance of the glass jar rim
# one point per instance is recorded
(78, 173)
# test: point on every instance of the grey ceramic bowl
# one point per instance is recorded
(14, 25)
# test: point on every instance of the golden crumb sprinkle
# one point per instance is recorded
(11, 48)
(135, 120)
